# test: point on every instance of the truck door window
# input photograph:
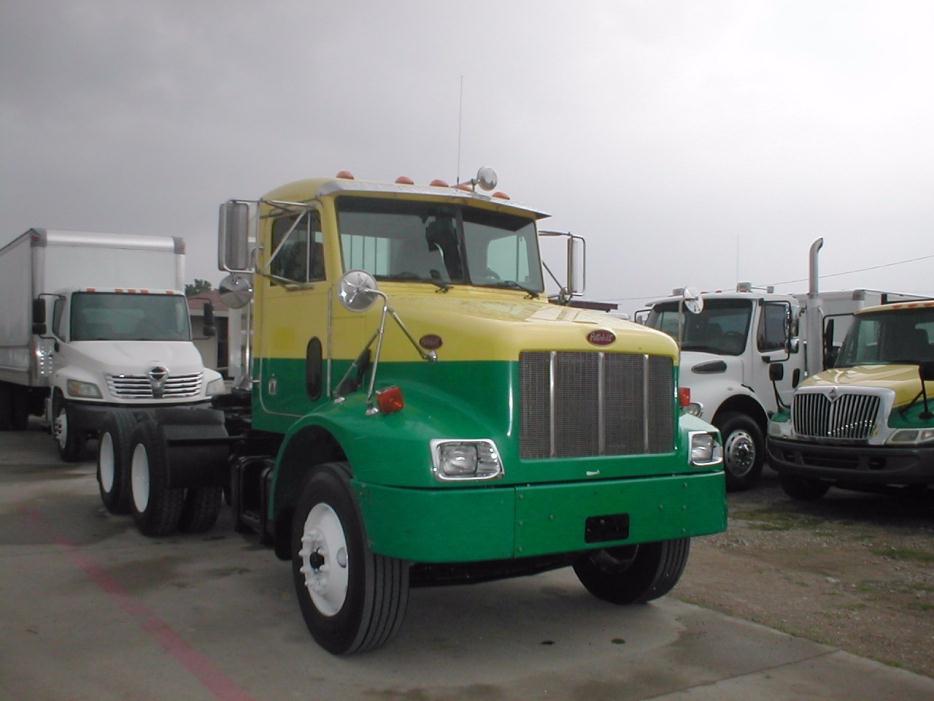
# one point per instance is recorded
(773, 324)
(293, 260)
(58, 310)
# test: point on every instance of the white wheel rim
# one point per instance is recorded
(139, 477)
(105, 462)
(740, 453)
(61, 428)
(324, 559)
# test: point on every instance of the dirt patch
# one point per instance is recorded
(851, 570)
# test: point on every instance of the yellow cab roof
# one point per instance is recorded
(923, 304)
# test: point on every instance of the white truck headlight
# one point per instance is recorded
(465, 459)
(85, 390)
(705, 450)
(912, 436)
(780, 429)
(216, 387)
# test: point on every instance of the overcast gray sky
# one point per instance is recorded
(690, 142)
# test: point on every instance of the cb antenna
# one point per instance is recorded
(460, 114)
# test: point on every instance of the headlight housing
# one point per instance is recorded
(780, 429)
(85, 390)
(216, 387)
(473, 459)
(912, 436)
(705, 450)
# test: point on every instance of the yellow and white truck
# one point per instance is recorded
(418, 413)
(866, 423)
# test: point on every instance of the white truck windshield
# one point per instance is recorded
(116, 316)
(439, 243)
(721, 328)
(889, 338)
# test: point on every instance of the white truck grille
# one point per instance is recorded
(142, 386)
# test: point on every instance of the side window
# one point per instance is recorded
(57, 314)
(293, 259)
(771, 333)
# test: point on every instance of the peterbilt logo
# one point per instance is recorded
(157, 378)
(601, 337)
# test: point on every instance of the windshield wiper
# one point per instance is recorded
(412, 277)
(513, 285)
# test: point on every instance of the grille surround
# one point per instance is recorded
(584, 404)
(140, 386)
(836, 414)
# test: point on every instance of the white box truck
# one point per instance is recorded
(92, 325)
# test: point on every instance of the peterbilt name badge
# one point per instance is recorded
(601, 337)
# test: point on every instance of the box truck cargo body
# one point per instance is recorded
(91, 323)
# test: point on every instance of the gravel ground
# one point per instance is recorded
(851, 570)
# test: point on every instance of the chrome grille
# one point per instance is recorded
(851, 416)
(140, 386)
(579, 404)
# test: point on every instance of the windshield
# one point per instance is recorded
(439, 243)
(112, 316)
(889, 338)
(721, 328)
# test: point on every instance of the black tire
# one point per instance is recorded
(633, 574)
(155, 507)
(363, 604)
(743, 450)
(6, 406)
(803, 488)
(200, 510)
(19, 414)
(70, 441)
(114, 454)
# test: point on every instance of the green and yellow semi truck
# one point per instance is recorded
(418, 412)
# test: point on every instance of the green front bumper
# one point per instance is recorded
(496, 523)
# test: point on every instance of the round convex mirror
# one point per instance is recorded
(693, 301)
(357, 290)
(236, 291)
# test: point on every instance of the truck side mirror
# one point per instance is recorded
(577, 265)
(776, 372)
(208, 326)
(38, 317)
(794, 344)
(233, 238)
(926, 370)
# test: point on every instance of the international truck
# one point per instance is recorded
(93, 325)
(745, 352)
(418, 412)
(866, 423)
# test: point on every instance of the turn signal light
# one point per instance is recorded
(390, 400)
(684, 396)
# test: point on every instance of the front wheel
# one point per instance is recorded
(803, 488)
(352, 599)
(68, 438)
(633, 574)
(743, 450)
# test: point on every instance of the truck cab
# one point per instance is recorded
(726, 353)
(119, 349)
(866, 423)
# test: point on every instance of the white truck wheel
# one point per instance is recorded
(351, 598)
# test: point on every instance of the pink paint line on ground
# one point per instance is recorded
(200, 666)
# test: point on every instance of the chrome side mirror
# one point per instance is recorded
(236, 291)
(233, 237)
(358, 290)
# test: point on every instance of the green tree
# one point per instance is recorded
(197, 287)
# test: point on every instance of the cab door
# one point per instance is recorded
(293, 323)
